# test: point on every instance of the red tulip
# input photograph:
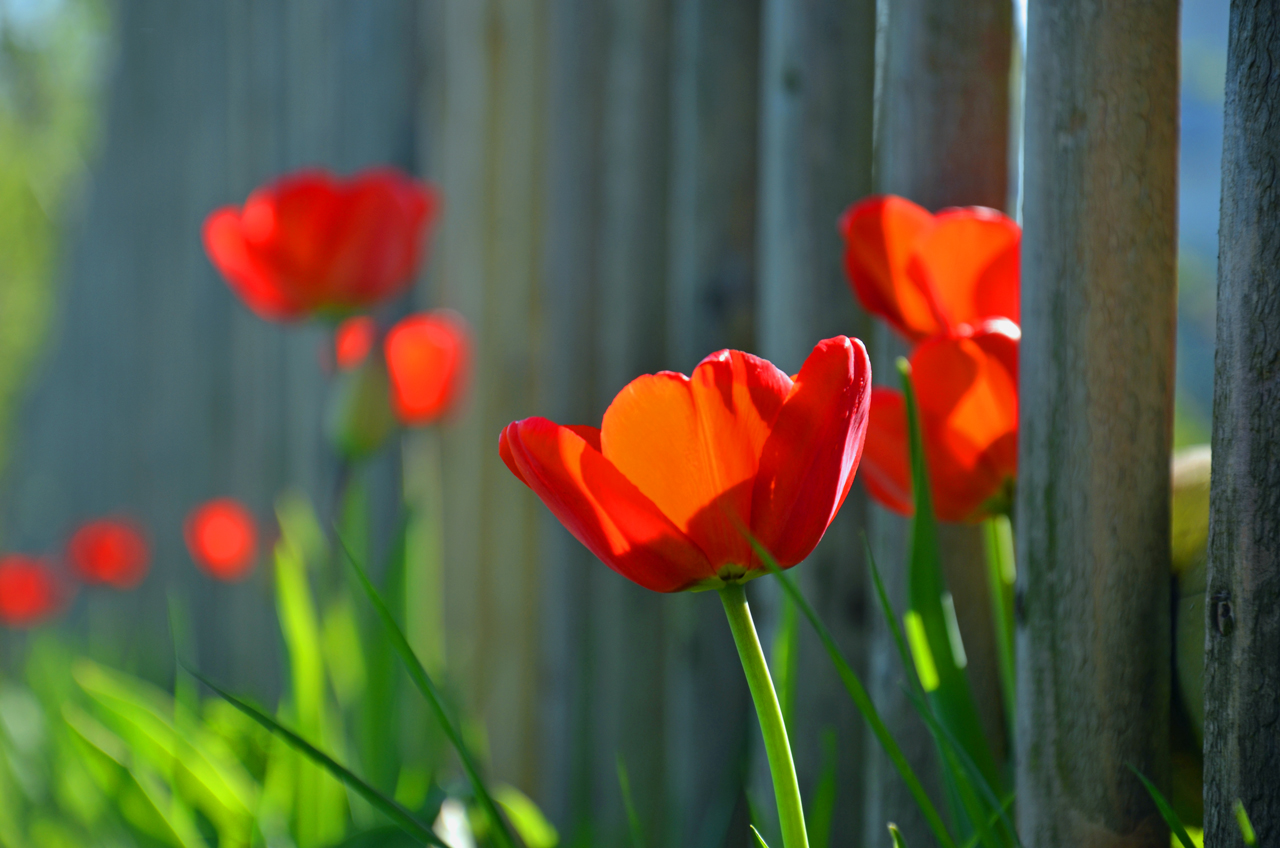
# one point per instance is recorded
(113, 551)
(967, 389)
(29, 591)
(427, 357)
(313, 243)
(682, 468)
(353, 340)
(927, 274)
(222, 538)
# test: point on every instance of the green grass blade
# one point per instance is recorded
(534, 829)
(1246, 826)
(1170, 817)
(823, 807)
(896, 836)
(427, 687)
(861, 700)
(633, 820)
(759, 839)
(398, 814)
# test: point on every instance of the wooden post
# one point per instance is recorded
(942, 139)
(1096, 403)
(1242, 667)
(817, 91)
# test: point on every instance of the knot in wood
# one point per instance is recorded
(1223, 618)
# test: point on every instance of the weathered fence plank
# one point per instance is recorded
(1096, 401)
(1242, 666)
(942, 139)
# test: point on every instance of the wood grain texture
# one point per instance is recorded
(711, 300)
(158, 389)
(489, 158)
(817, 72)
(942, 139)
(1242, 666)
(1096, 401)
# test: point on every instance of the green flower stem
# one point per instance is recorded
(781, 767)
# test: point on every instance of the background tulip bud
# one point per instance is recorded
(359, 417)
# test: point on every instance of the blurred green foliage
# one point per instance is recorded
(52, 54)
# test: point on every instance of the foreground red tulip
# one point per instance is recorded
(352, 341)
(222, 538)
(427, 360)
(967, 388)
(313, 243)
(683, 468)
(927, 274)
(30, 592)
(113, 551)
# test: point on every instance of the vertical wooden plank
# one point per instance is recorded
(715, 103)
(1242, 668)
(627, 623)
(1096, 391)
(817, 88)
(568, 393)
(489, 164)
(942, 139)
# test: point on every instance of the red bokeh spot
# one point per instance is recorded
(113, 551)
(29, 591)
(353, 340)
(222, 537)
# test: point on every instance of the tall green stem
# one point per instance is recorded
(781, 767)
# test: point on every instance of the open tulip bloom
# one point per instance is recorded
(685, 473)
(948, 283)
(311, 243)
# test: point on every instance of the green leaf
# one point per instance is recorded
(398, 814)
(860, 699)
(759, 839)
(528, 820)
(1001, 574)
(1170, 817)
(633, 820)
(952, 700)
(785, 660)
(896, 836)
(429, 691)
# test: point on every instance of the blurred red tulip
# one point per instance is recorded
(313, 243)
(427, 356)
(222, 537)
(30, 592)
(927, 274)
(967, 388)
(683, 467)
(353, 340)
(113, 551)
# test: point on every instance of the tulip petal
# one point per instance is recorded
(969, 262)
(711, 427)
(225, 243)
(810, 459)
(886, 459)
(969, 408)
(880, 234)
(426, 357)
(601, 507)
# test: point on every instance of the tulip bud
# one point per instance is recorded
(359, 418)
